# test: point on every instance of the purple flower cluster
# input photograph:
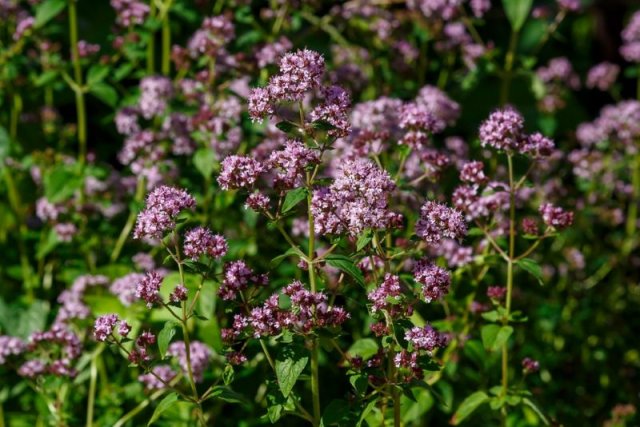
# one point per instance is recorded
(308, 311)
(155, 91)
(162, 375)
(162, 207)
(630, 49)
(130, 12)
(201, 241)
(72, 305)
(473, 173)
(618, 123)
(435, 280)
(214, 33)
(383, 297)
(602, 76)
(445, 110)
(357, 200)
(425, 338)
(504, 130)
(55, 351)
(239, 172)
(10, 346)
(125, 288)
(530, 365)
(300, 72)
(334, 110)
(237, 277)
(496, 292)
(104, 326)
(140, 352)
(271, 52)
(290, 163)
(438, 221)
(148, 289)
(555, 217)
(200, 356)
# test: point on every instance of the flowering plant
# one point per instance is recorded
(345, 213)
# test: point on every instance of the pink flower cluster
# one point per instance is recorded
(237, 277)
(201, 241)
(438, 221)
(504, 130)
(162, 208)
(105, 325)
(357, 200)
(435, 280)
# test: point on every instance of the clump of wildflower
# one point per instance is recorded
(555, 217)
(65, 231)
(178, 294)
(201, 241)
(438, 221)
(630, 49)
(496, 292)
(300, 72)
(10, 346)
(72, 301)
(105, 325)
(130, 12)
(602, 76)
(155, 91)
(389, 289)
(334, 110)
(259, 202)
(125, 288)
(162, 375)
(435, 280)
(530, 366)
(214, 33)
(162, 207)
(199, 356)
(237, 276)
(290, 164)
(473, 173)
(530, 226)
(503, 130)
(357, 200)
(140, 351)
(148, 289)
(271, 52)
(239, 172)
(444, 109)
(425, 338)
(61, 347)
(538, 146)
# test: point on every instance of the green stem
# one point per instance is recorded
(129, 224)
(508, 67)
(315, 376)
(93, 381)
(512, 235)
(151, 44)
(79, 91)
(166, 40)
(632, 212)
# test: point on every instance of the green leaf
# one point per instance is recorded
(517, 12)
(49, 244)
(494, 336)
(48, 10)
(491, 316)
(46, 77)
(105, 93)
(166, 403)
(165, 336)
(5, 145)
(322, 125)
(225, 394)
(345, 264)
(364, 347)
(290, 363)
(363, 240)
(204, 160)
(292, 199)
(278, 260)
(287, 126)
(96, 74)
(360, 383)
(336, 412)
(468, 406)
(532, 267)
(535, 409)
(61, 183)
